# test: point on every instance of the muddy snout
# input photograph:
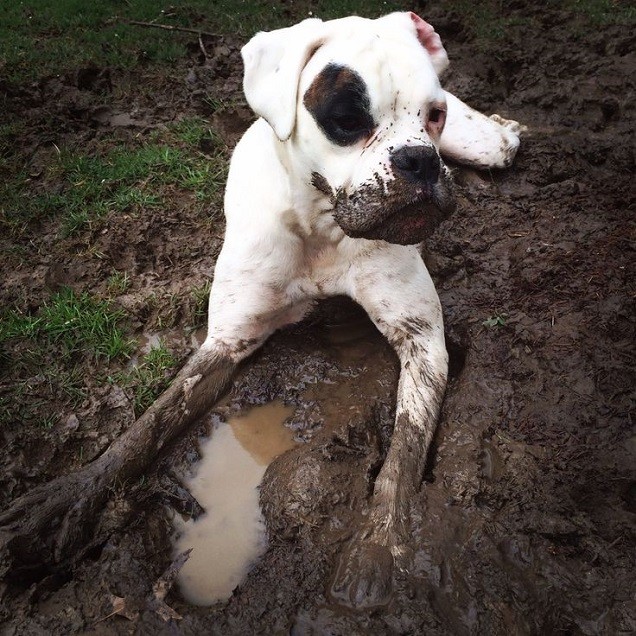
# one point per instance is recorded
(417, 164)
(407, 207)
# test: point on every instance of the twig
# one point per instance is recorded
(202, 47)
(169, 27)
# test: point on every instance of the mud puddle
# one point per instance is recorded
(231, 535)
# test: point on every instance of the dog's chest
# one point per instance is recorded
(324, 270)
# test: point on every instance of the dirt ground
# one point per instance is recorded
(525, 520)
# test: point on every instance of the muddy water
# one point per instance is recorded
(231, 535)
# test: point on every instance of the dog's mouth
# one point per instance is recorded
(407, 225)
(404, 213)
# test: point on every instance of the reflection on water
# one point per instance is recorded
(231, 535)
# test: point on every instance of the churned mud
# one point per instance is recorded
(525, 520)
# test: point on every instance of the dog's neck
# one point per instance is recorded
(309, 213)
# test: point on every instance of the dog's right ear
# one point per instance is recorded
(431, 41)
(273, 63)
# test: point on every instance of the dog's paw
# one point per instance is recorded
(364, 576)
(504, 154)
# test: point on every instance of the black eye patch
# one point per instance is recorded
(338, 100)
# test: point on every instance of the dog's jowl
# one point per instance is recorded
(329, 192)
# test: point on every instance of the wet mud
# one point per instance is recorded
(525, 521)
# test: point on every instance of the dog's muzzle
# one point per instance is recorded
(404, 210)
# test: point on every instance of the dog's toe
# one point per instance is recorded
(512, 125)
(364, 576)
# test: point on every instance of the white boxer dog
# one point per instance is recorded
(330, 192)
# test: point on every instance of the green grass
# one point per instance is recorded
(192, 130)
(45, 37)
(71, 325)
(200, 296)
(45, 355)
(121, 180)
(118, 283)
(603, 12)
(149, 377)
(49, 36)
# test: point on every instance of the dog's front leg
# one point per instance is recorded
(397, 292)
(56, 522)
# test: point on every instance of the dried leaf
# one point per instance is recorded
(120, 607)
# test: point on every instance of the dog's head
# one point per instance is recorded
(360, 108)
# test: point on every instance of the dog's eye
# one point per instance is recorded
(349, 123)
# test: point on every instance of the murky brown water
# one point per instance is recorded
(231, 535)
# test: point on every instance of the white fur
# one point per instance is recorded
(283, 249)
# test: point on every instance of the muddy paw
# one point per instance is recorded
(510, 124)
(364, 576)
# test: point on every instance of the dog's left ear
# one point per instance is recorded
(431, 41)
(273, 63)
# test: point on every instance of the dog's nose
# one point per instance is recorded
(417, 163)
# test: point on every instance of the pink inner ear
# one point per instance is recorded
(426, 35)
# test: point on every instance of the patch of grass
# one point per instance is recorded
(71, 324)
(200, 296)
(50, 36)
(149, 377)
(603, 12)
(118, 282)
(191, 130)
(80, 324)
(45, 357)
(495, 321)
(118, 181)
(122, 180)
(16, 325)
